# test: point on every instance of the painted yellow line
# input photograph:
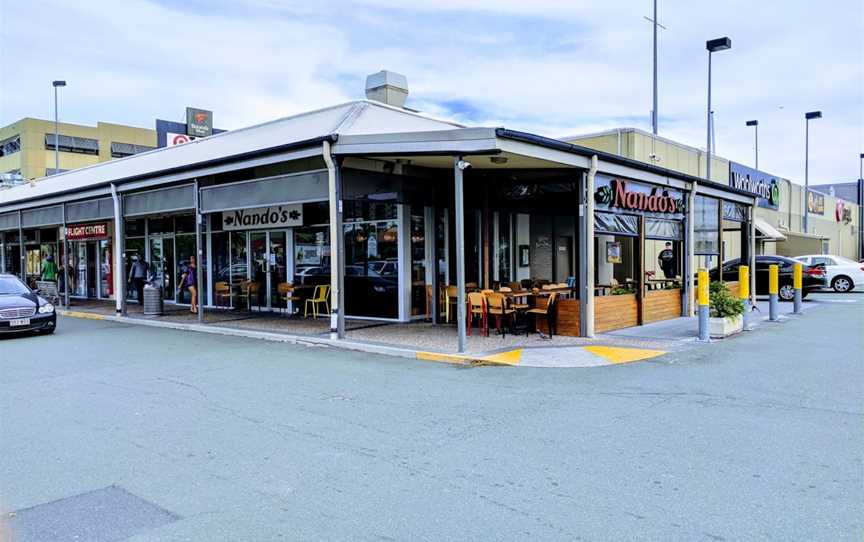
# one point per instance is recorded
(616, 354)
(86, 315)
(512, 357)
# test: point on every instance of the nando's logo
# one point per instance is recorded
(616, 195)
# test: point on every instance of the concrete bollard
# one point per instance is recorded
(773, 291)
(703, 301)
(744, 292)
(798, 284)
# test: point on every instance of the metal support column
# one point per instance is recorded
(430, 234)
(773, 290)
(119, 253)
(752, 255)
(704, 303)
(22, 251)
(586, 253)
(458, 166)
(199, 251)
(337, 249)
(61, 262)
(689, 249)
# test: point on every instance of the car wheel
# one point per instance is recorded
(787, 292)
(842, 284)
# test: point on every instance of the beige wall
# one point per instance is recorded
(33, 159)
(645, 147)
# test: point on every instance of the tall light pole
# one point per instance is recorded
(655, 116)
(755, 124)
(57, 84)
(807, 117)
(713, 46)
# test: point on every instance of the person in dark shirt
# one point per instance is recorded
(667, 261)
(189, 281)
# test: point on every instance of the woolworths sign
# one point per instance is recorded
(763, 185)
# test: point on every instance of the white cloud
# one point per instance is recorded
(556, 67)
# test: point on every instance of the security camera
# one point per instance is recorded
(463, 164)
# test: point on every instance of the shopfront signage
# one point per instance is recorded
(277, 216)
(842, 213)
(815, 203)
(199, 122)
(172, 139)
(618, 194)
(763, 185)
(87, 232)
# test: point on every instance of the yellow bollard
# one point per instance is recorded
(773, 290)
(704, 301)
(798, 284)
(703, 297)
(743, 282)
(773, 279)
(797, 278)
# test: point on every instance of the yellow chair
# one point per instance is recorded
(546, 312)
(221, 292)
(497, 307)
(251, 293)
(321, 296)
(451, 297)
(286, 293)
(477, 308)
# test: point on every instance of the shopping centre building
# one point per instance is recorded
(833, 222)
(388, 208)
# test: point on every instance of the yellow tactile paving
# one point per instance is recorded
(511, 357)
(617, 354)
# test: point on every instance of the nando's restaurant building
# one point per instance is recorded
(399, 214)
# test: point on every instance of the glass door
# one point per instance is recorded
(258, 289)
(162, 265)
(278, 272)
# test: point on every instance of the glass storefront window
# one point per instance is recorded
(419, 292)
(106, 270)
(185, 249)
(706, 226)
(504, 256)
(134, 251)
(134, 227)
(372, 269)
(615, 263)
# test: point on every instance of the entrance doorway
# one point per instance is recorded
(162, 265)
(269, 269)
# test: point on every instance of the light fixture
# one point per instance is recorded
(498, 159)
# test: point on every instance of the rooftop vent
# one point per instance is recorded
(387, 87)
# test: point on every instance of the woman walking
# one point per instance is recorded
(190, 282)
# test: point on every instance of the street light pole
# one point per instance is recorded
(654, 114)
(56, 85)
(807, 117)
(718, 44)
(755, 124)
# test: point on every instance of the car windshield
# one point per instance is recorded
(12, 286)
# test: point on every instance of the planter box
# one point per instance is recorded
(723, 327)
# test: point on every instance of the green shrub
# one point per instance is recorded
(620, 290)
(722, 303)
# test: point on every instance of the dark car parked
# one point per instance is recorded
(813, 276)
(22, 310)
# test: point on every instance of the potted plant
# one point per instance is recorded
(726, 314)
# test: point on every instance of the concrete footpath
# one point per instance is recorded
(612, 348)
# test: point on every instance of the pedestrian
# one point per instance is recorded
(49, 269)
(138, 276)
(667, 261)
(189, 280)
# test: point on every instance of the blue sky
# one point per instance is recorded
(553, 67)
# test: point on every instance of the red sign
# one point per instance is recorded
(81, 232)
(657, 200)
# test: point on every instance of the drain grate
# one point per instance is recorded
(102, 515)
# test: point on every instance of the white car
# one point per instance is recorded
(843, 274)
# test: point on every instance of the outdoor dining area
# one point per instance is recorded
(518, 307)
(287, 299)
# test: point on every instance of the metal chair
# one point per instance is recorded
(477, 309)
(221, 291)
(286, 293)
(546, 312)
(321, 296)
(497, 307)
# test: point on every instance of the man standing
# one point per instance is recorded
(138, 276)
(667, 261)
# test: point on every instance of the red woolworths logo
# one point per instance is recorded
(658, 201)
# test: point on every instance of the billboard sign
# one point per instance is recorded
(172, 139)
(199, 122)
(815, 203)
(277, 216)
(763, 185)
(82, 232)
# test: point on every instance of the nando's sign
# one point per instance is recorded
(618, 194)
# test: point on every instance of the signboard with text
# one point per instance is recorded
(763, 185)
(277, 216)
(87, 232)
(199, 122)
(616, 194)
(172, 139)
(815, 203)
